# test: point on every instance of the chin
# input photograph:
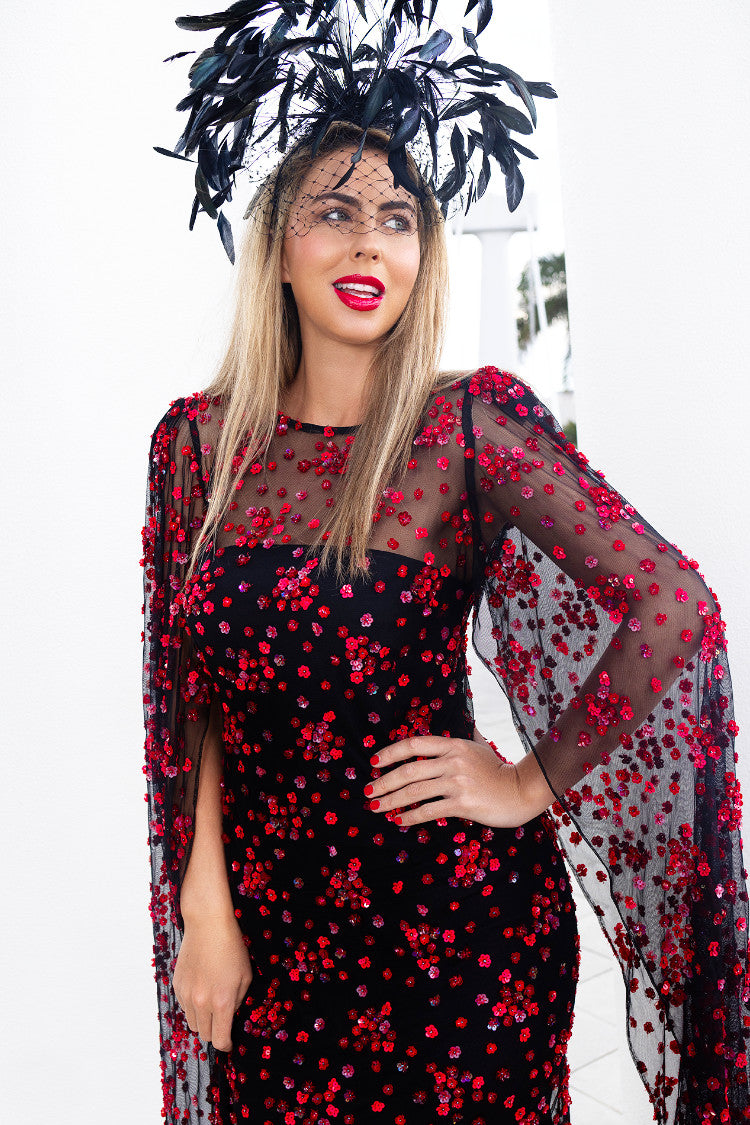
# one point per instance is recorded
(364, 333)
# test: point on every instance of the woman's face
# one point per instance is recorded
(351, 253)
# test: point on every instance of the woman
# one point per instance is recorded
(367, 904)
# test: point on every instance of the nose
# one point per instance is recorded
(366, 246)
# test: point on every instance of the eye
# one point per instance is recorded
(335, 215)
(401, 223)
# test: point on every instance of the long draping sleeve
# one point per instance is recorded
(611, 650)
(177, 699)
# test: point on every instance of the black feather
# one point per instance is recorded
(390, 38)
(436, 45)
(316, 10)
(484, 15)
(430, 124)
(224, 171)
(402, 177)
(524, 151)
(365, 51)
(208, 161)
(484, 177)
(277, 35)
(206, 69)
(248, 99)
(168, 152)
(407, 129)
(380, 91)
(203, 194)
(238, 13)
(286, 96)
(513, 187)
(541, 90)
(225, 233)
(461, 109)
(510, 117)
(244, 54)
(409, 11)
(470, 40)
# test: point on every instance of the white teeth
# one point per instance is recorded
(353, 287)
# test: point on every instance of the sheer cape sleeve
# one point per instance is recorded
(611, 650)
(177, 699)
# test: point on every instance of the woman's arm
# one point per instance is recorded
(610, 588)
(205, 888)
(212, 973)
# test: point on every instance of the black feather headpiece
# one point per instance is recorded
(280, 72)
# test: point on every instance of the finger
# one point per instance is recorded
(204, 1027)
(221, 1030)
(191, 1018)
(423, 744)
(434, 810)
(410, 773)
(429, 789)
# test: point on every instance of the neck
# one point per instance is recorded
(330, 387)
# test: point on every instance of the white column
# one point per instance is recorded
(491, 221)
(498, 338)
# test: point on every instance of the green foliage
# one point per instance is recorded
(571, 433)
(554, 293)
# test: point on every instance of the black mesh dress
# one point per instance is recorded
(413, 975)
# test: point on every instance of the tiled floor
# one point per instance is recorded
(595, 1052)
(604, 1085)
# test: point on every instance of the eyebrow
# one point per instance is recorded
(352, 201)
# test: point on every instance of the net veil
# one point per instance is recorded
(333, 193)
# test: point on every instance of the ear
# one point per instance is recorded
(284, 268)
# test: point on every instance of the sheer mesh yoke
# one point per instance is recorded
(611, 650)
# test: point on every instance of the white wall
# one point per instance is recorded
(109, 309)
(654, 116)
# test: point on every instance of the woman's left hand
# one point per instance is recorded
(456, 777)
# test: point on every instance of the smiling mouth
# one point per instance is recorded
(357, 288)
(358, 292)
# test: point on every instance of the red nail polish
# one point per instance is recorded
(397, 819)
(368, 790)
(374, 804)
(375, 759)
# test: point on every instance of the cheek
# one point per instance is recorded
(307, 254)
(408, 267)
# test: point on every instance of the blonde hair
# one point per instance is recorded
(265, 347)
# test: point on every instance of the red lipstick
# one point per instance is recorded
(358, 291)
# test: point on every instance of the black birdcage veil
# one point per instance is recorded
(279, 74)
(333, 191)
